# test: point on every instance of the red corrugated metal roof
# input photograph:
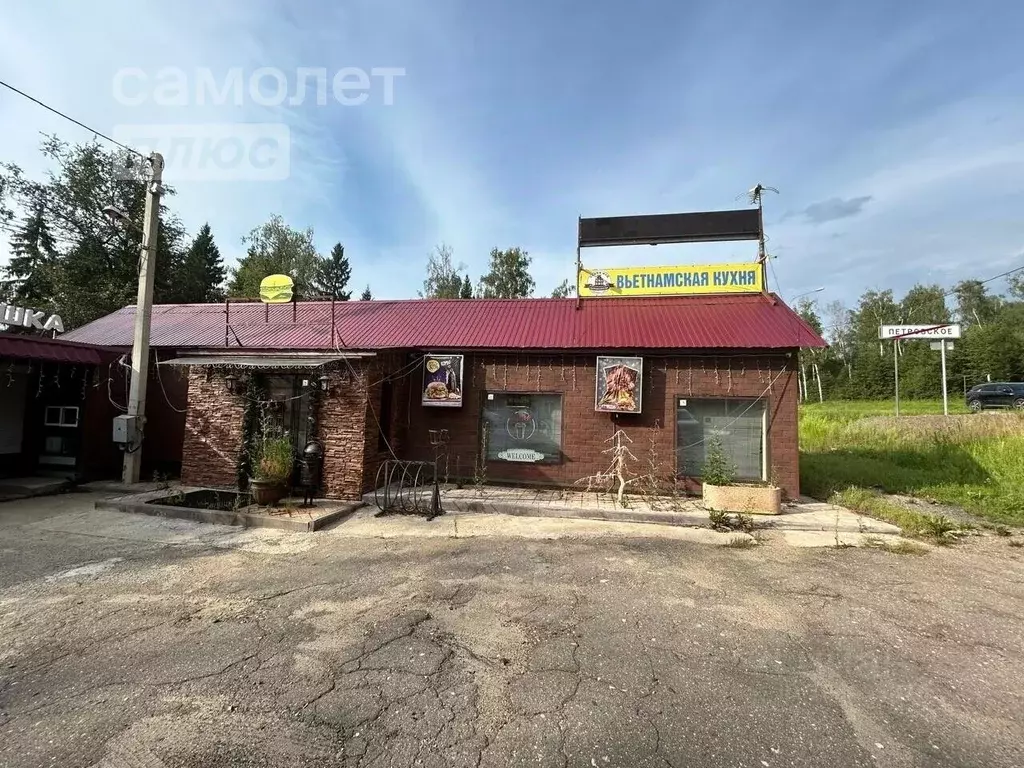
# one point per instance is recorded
(21, 347)
(748, 321)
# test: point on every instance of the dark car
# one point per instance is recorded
(996, 394)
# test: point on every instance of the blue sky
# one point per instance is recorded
(895, 133)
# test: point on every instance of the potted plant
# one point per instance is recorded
(272, 471)
(723, 493)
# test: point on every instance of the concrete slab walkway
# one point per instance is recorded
(805, 515)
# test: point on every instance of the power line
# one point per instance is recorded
(73, 120)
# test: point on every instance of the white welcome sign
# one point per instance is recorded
(521, 454)
(30, 318)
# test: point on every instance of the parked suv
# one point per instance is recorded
(996, 394)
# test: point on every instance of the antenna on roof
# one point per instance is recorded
(755, 196)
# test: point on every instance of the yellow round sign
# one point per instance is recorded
(276, 289)
(433, 366)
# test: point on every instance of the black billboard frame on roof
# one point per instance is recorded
(665, 228)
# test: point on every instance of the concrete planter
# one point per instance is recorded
(749, 499)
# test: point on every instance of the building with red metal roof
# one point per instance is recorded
(54, 416)
(516, 390)
(743, 321)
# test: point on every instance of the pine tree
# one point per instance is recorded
(366, 295)
(334, 275)
(33, 262)
(202, 270)
(467, 289)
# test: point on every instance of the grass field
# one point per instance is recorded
(972, 461)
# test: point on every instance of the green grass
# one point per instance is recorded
(971, 461)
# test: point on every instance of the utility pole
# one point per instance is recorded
(143, 314)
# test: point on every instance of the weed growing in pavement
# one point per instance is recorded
(936, 528)
(741, 542)
(899, 547)
(731, 521)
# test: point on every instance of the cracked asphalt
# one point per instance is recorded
(140, 642)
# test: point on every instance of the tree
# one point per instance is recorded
(33, 262)
(276, 248)
(443, 278)
(871, 359)
(366, 295)
(974, 304)
(73, 260)
(202, 271)
(334, 274)
(466, 292)
(1014, 282)
(809, 358)
(564, 290)
(509, 275)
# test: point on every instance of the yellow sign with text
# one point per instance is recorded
(681, 280)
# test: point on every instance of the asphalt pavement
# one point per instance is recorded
(129, 641)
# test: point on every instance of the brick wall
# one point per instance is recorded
(341, 429)
(585, 432)
(213, 431)
(348, 418)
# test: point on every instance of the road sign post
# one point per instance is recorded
(896, 369)
(940, 333)
(945, 394)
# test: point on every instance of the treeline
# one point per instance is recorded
(67, 258)
(857, 365)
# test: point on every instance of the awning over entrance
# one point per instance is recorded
(265, 361)
(24, 347)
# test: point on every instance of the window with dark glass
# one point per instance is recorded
(523, 428)
(736, 423)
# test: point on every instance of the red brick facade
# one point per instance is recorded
(585, 431)
(348, 416)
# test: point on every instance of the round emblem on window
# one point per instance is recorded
(521, 425)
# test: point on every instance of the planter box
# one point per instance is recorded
(748, 499)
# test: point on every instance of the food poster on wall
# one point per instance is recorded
(619, 384)
(442, 380)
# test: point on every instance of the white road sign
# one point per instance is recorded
(934, 331)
